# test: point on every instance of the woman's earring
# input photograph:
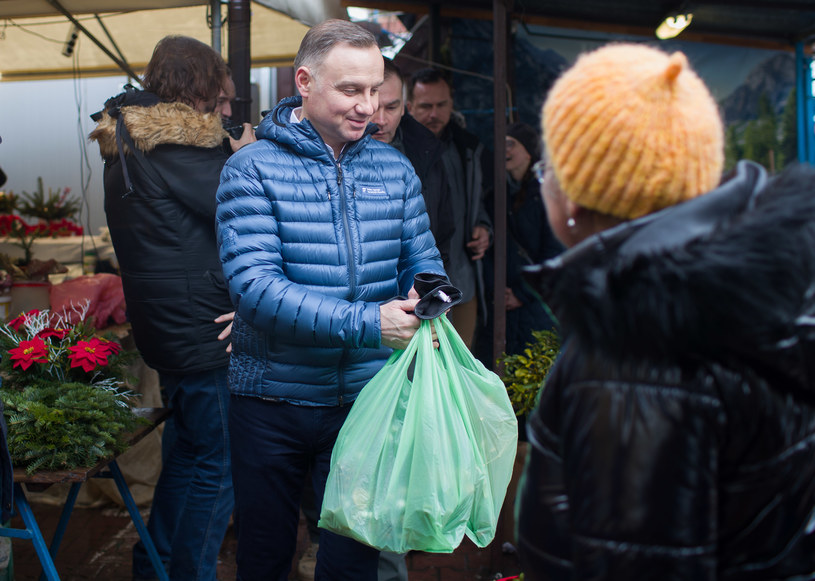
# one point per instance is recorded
(570, 222)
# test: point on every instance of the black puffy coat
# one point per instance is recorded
(163, 232)
(675, 437)
(424, 152)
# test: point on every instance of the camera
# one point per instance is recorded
(234, 129)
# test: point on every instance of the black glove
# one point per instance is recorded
(436, 295)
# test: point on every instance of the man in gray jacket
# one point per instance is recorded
(430, 101)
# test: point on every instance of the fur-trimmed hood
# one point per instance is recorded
(727, 276)
(156, 124)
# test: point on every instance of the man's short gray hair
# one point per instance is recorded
(320, 39)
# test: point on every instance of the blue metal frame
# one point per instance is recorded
(805, 105)
(47, 555)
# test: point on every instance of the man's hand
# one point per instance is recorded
(228, 330)
(247, 137)
(397, 323)
(512, 302)
(479, 243)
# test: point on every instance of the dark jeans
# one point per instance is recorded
(274, 445)
(193, 498)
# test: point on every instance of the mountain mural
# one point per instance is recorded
(775, 78)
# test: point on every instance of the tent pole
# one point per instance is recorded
(215, 12)
(240, 61)
(499, 69)
(120, 63)
(110, 37)
(435, 32)
(804, 104)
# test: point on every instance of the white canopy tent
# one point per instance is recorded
(48, 98)
(34, 34)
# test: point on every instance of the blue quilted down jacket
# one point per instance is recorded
(311, 246)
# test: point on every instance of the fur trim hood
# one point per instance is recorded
(157, 124)
(728, 276)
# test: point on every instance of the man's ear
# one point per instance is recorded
(303, 80)
(407, 104)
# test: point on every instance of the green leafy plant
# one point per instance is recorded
(525, 373)
(55, 214)
(8, 202)
(64, 426)
(64, 391)
(56, 205)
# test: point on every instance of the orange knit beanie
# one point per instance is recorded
(630, 130)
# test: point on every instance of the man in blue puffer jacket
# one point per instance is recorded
(319, 226)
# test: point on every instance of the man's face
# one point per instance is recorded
(223, 104)
(391, 109)
(342, 94)
(432, 105)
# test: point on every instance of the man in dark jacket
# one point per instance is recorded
(423, 150)
(163, 150)
(430, 101)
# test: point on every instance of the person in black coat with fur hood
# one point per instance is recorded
(164, 148)
(675, 436)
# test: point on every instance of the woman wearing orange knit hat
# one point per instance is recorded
(675, 436)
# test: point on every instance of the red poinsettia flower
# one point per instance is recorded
(29, 352)
(18, 322)
(58, 333)
(112, 347)
(89, 354)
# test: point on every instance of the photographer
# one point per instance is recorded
(164, 148)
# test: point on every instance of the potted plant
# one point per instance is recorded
(524, 375)
(50, 215)
(64, 392)
(55, 207)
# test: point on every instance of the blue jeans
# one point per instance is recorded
(274, 445)
(193, 499)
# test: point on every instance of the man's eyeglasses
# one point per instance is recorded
(539, 169)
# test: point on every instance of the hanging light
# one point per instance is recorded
(673, 25)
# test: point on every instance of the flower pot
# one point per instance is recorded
(28, 295)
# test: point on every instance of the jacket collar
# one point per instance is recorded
(302, 137)
(728, 274)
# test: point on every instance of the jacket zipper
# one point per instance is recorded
(352, 275)
(341, 378)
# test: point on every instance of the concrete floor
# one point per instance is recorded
(98, 542)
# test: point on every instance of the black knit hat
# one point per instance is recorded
(527, 137)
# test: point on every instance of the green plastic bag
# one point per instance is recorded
(418, 464)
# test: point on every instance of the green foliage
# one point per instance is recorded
(8, 202)
(788, 148)
(770, 139)
(525, 373)
(761, 136)
(56, 205)
(65, 426)
(733, 151)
